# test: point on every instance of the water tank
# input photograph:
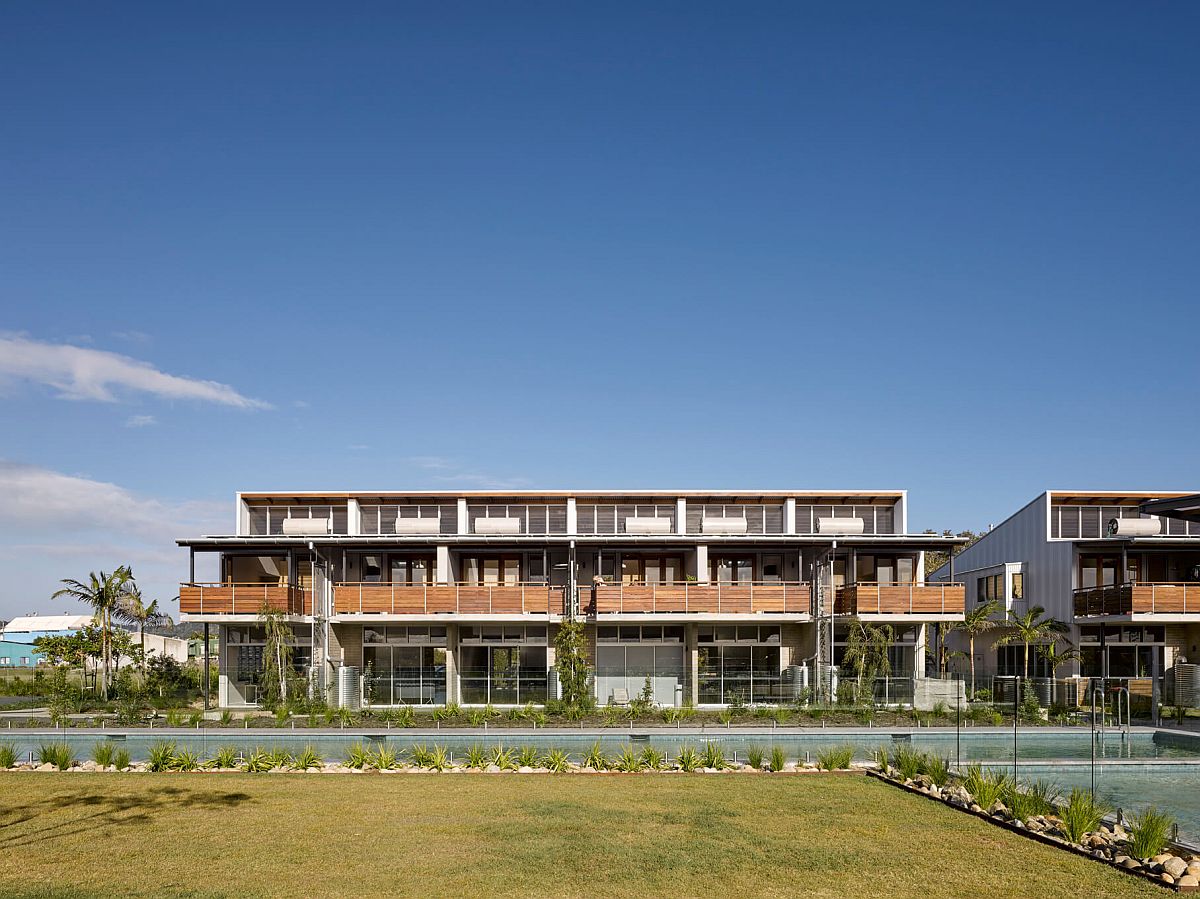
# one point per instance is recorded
(1187, 685)
(349, 696)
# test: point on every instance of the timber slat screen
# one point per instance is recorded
(243, 599)
(434, 599)
(1140, 598)
(900, 599)
(791, 598)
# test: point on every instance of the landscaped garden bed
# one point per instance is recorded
(1076, 823)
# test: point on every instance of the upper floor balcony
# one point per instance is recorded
(697, 598)
(1142, 598)
(864, 599)
(244, 599)
(447, 599)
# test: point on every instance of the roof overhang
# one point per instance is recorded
(910, 541)
(1186, 507)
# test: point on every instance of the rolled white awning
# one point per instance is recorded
(726, 525)
(1134, 527)
(305, 527)
(418, 526)
(847, 527)
(497, 525)
(647, 525)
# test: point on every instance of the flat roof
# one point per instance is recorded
(1110, 497)
(831, 496)
(1185, 507)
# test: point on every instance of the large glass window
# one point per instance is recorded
(651, 569)
(630, 655)
(244, 659)
(738, 663)
(404, 665)
(491, 570)
(411, 569)
(503, 675)
(732, 569)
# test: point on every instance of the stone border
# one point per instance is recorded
(1046, 839)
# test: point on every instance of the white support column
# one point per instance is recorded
(464, 519)
(353, 518)
(242, 517)
(452, 691)
(441, 569)
(789, 515)
(702, 563)
(572, 517)
(681, 516)
(919, 653)
(222, 666)
(692, 651)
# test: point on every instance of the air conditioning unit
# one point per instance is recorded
(647, 525)
(723, 525)
(497, 525)
(305, 527)
(847, 527)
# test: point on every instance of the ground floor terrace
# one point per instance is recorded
(603, 835)
(398, 661)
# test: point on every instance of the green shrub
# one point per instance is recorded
(1081, 815)
(421, 755)
(778, 759)
(613, 716)
(725, 716)
(281, 758)
(448, 712)
(102, 753)
(225, 757)
(1149, 833)
(669, 715)
(258, 761)
(835, 758)
(121, 759)
(754, 755)
(940, 709)
(1043, 795)
(528, 757)
(359, 756)
(1031, 709)
(386, 758)
(160, 756)
(308, 758)
(908, 762)
(226, 717)
(475, 717)
(688, 759)
(282, 716)
(937, 769)
(781, 715)
(712, 756)
(477, 757)
(557, 761)
(595, 759)
(627, 761)
(880, 755)
(185, 760)
(439, 759)
(503, 758)
(174, 718)
(652, 759)
(404, 716)
(8, 755)
(196, 718)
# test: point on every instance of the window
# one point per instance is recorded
(732, 569)
(875, 569)
(743, 674)
(492, 571)
(1098, 571)
(989, 588)
(507, 675)
(5, 660)
(404, 665)
(1018, 585)
(412, 569)
(651, 569)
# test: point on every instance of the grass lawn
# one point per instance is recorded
(398, 834)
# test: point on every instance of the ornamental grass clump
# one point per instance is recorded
(528, 757)
(121, 759)
(627, 761)
(504, 759)
(159, 756)
(8, 755)
(835, 758)
(882, 757)
(258, 761)
(185, 760)
(596, 759)
(937, 769)
(652, 759)
(308, 758)
(477, 757)
(102, 753)
(359, 756)
(909, 764)
(778, 759)
(1149, 833)
(713, 757)
(557, 761)
(688, 759)
(754, 756)
(1081, 815)
(985, 786)
(421, 755)
(225, 757)
(386, 758)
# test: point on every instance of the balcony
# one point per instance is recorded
(449, 599)
(1138, 599)
(900, 599)
(243, 599)
(719, 599)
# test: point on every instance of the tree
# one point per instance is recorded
(105, 593)
(570, 658)
(977, 622)
(1055, 657)
(936, 559)
(867, 653)
(1032, 627)
(164, 674)
(136, 611)
(278, 679)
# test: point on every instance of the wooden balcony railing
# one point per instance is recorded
(432, 599)
(1139, 598)
(243, 599)
(728, 599)
(900, 599)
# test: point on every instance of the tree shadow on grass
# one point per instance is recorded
(67, 814)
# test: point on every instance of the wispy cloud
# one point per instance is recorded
(133, 336)
(81, 373)
(447, 471)
(140, 421)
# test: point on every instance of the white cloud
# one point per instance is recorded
(55, 525)
(140, 421)
(79, 373)
(133, 336)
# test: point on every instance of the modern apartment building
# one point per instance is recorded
(1125, 581)
(714, 596)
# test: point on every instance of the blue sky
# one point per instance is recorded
(946, 247)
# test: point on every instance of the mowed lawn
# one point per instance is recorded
(435, 835)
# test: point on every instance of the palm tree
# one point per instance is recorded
(867, 653)
(105, 593)
(1031, 628)
(976, 623)
(1056, 657)
(135, 610)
